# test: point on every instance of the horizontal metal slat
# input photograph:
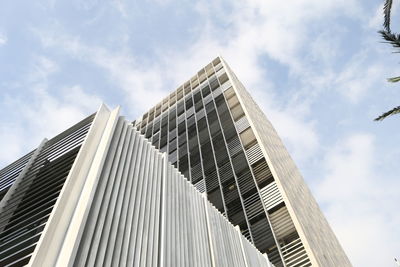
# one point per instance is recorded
(271, 195)
(242, 124)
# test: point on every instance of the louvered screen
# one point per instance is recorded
(201, 186)
(212, 180)
(253, 206)
(28, 208)
(295, 255)
(274, 257)
(196, 173)
(230, 191)
(145, 213)
(246, 182)
(254, 154)
(271, 196)
(225, 172)
(9, 173)
(242, 124)
(234, 146)
(246, 234)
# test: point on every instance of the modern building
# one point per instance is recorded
(99, 194)
(104, 192)
(220, 140)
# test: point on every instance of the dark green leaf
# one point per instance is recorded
(387, 7)
(388, 113)
(394, 79)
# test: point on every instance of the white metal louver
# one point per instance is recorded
(10, 173)
(242, 124)
(234, 146)
(295, 255)
(29, 202)
(254, 154)
(201, 186)
(271, 196)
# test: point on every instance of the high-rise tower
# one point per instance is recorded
(217, 136)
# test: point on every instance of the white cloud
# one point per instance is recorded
(325, 46)
(42, 68)
(359, 206)
(299, 136)
(43, 114)
(3, 39)
(137, 82)
(11, 135)
(119, 5)
(355, 81)
(377, 19)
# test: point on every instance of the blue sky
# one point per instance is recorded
(317, 68)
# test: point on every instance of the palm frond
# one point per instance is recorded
(387, 7)
(394, 79)
(392, 38)
(391, 112)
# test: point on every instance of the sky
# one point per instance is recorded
(317, 68)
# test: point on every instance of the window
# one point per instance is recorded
(181, 128)
(206, 91)
(189, 103)
(198, 106)
(237, 112)
(214, 84)
(248, 138)
(216, 61)
(223, 78)
(233, 101)
(181, 108)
